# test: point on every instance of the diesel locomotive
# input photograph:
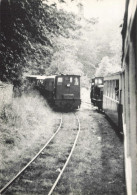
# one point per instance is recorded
(61, 91)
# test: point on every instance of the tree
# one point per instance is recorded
(106, 67)
(28, 32)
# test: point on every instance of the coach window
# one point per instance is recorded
(76, 82)
(107, 88)
(113, 89)
(60, 80)
(117, 90)
(110, 88)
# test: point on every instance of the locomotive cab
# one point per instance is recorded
(97, 92)
(67, 91)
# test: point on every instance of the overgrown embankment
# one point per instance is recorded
(25, 125)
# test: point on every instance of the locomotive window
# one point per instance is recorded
(99, 81)
(76, 81)
(60, 80)
(70, 79)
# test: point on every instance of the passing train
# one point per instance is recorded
(61, 91)
(119, 99)
(106, 95)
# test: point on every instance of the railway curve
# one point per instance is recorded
(51, 156)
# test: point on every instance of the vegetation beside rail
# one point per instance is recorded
(23, 123)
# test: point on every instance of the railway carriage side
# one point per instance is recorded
(30, 82)
(129, 66)
(112, 104)
(46, 85)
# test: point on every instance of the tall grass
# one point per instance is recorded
(22, 123)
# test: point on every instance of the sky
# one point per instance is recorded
(106, 9)
(108, 12)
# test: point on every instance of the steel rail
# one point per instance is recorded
(23, 169)
(61, 172)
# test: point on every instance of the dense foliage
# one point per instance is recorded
(28, 32)
(38, 38)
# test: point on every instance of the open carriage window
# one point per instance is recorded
(117, 90)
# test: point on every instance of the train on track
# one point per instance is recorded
(106, 95)
(119, 100)
(61, 91)
(96, 94)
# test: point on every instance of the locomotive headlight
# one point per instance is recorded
(68, 85)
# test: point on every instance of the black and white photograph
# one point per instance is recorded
(68, 97)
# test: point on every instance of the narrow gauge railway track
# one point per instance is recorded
(52, 161)
(28, 164)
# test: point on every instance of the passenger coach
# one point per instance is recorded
(129, 98)
(112, 102)
(67, 91)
